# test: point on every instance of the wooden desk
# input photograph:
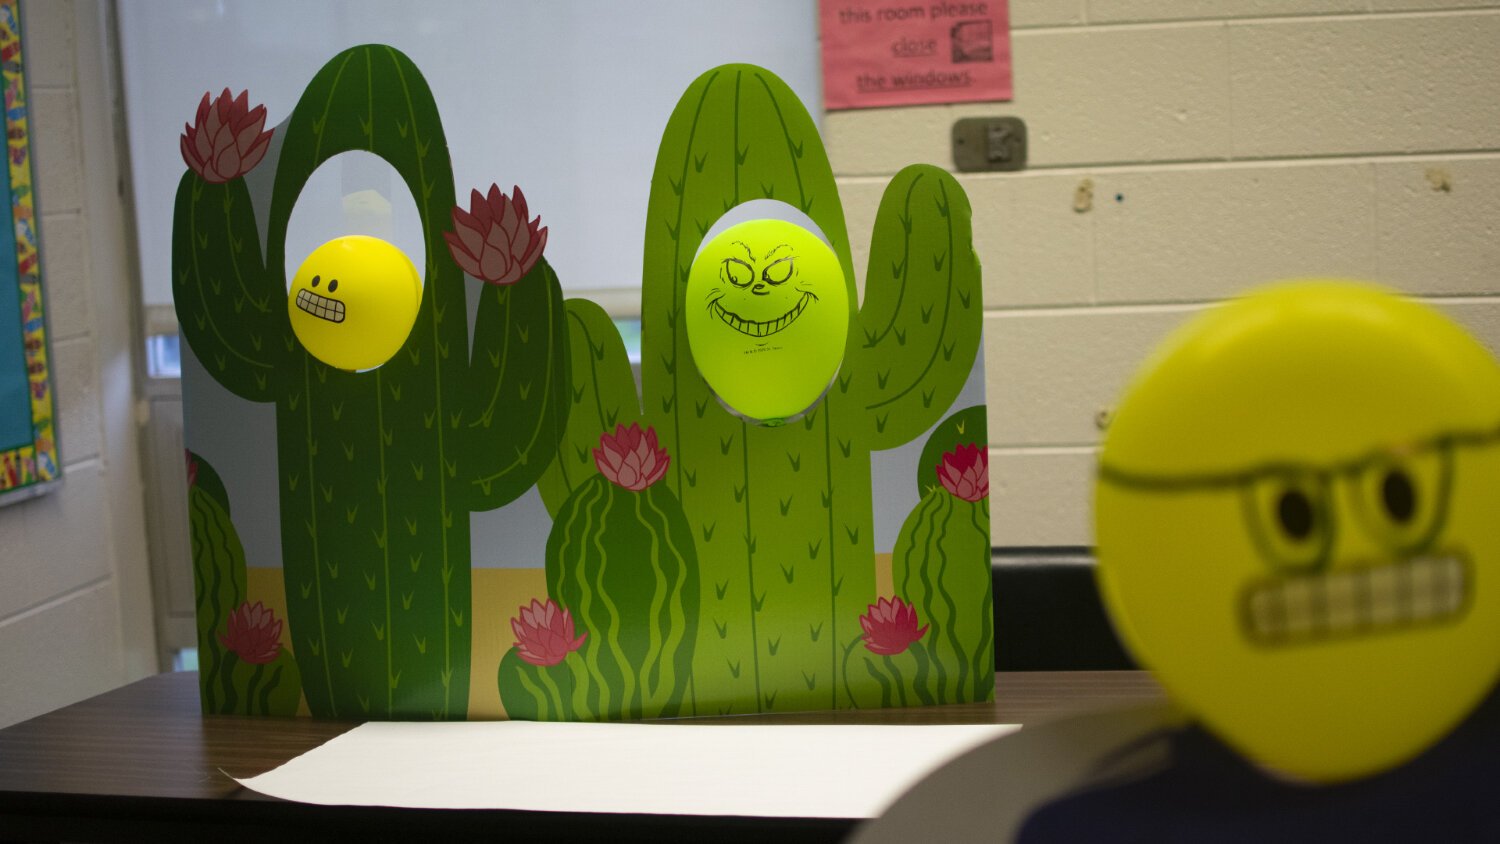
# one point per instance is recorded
(142, 764)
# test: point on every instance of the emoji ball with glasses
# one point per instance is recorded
(1296, 518)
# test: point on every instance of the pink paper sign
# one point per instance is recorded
(890, 53)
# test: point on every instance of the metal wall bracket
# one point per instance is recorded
(989, 143)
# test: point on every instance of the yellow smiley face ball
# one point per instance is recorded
(767, 310)
(1296, 525)
(354, 301)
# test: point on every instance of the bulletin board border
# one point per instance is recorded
(35, 467)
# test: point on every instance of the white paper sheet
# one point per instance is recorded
(851, 771)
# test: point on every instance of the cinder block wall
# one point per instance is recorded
(1184, 150)
(75, 599)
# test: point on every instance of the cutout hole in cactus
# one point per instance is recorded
(767, 311)
(355, 193)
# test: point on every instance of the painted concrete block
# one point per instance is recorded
(1338, 86)
(1137, 11)
(1050, 373)
(1034, 247)
(48, 44)
(61, 546)
(1128, 94)
(1189, 234)
(76, 374)
(65, 276)
(56, 153)
(1041, 498)
(1438, 225)
(63, 655)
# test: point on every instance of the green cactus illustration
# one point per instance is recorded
(227, 683)
(970, 425)
(218, 575)
(603, 396)
(941, 566)
(782, 516)
(622, 557)
(273, 688)
(540, 692)
(378, 470)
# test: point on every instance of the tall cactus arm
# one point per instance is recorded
(738, 134)
(231, 310)
(602, 393)
(517, 399)
(340, 112)
(920, 325)
(374, 514)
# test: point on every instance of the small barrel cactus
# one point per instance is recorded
(892, 636)
(941, 566)
(621, 559)
(534, 683)
(260, 676)
(242, 667)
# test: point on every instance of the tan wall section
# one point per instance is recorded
(1222, 145)
(75, 598)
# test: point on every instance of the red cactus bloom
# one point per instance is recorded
(493, 241)
(192, 469)
(225, 140)
(965, 472)
(890, 626)
(544, 633)
(631, 458)
(253, 633)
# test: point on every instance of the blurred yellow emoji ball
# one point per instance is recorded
(767, 317)
(354, 301)
(1296, 525)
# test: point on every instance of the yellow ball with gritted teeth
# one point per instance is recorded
(354, 301)
(767, 310)
(1294, 517)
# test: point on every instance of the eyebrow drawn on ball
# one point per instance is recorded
(741, 244)
(774, 250)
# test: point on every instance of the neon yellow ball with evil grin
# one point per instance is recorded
(353, 302)
(767, 309)
(1296, 525)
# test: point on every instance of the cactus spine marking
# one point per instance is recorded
(378, 470)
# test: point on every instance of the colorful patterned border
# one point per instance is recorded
(39, 462)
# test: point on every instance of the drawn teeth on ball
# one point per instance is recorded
(761, 329)
(1355, 601)
(321, 307)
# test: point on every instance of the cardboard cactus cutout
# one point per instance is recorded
(676, 557)
(378, 470)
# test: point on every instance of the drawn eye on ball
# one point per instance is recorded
(780, 270)
(737, 272)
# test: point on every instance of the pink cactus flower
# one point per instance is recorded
(253, 633)
(965, 472)
(544, 633)
(493, 241)
(226, 140)
(631, 458)
(890, 626)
